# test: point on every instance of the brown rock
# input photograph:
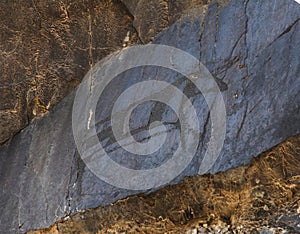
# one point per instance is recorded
(46, 48)
(152, 17)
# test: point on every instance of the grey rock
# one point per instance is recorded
(253, 53)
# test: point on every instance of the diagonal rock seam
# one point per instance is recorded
(89, 191)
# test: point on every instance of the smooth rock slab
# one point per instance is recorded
(42, 175)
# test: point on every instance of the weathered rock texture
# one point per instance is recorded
(46, 48)
(251, 47)
(153, 16)
(262, 197)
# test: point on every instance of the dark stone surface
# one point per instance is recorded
(42, 176)
(150, 17)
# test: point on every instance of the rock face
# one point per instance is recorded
(47, 48)
(251, 48)
(152, 16)
(261, 197)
